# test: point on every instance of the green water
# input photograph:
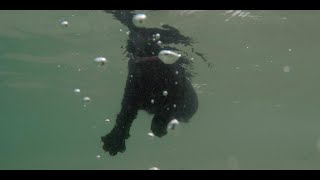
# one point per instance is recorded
(258, 105)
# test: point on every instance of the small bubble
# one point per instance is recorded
(168, 109)
(192, 59)
(176, 83)
(59, 66)
(237, 68)
(152, 101)
(107, 120)
(76, 90)
(286, 69)
(157, 36)
(128, 32)
(165, 93)
(86, 99)
(150, 134)
(247, 47)
(79, 69)
(177, 72)
(98, 157)
(100, 60)
(64, 23)
(174, 105)
(153, 39)
(290, 49)
(120, 30)
(159, 43)
(172, 124)
(131, 76)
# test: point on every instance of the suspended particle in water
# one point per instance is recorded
(165, 93)
(76, 90)
(235, 102)
(59, 66)
(177, 72)
(131, 76)
(153, 39)
(100, 60)
(154, 168)
(247, 47)
(174, 105)
(237, 68)
(98, 157)
(79, 69)
(192, 59)
(159, 43)
(157, 36)
(128, 32)
(150, 134)
(290, 49)
(120, 30)
(64, 23)
(233, 163)
(152, 101)
(107, 120)
(168, 109)
(176, 83)
(86, 99)
(172, 124)
(286, 69)
(318, 144)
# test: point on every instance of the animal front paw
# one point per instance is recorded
(113, 143)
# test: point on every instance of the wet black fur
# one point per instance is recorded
(147, 80)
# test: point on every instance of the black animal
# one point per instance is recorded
(148, 78)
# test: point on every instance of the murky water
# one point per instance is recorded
(258, 105)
